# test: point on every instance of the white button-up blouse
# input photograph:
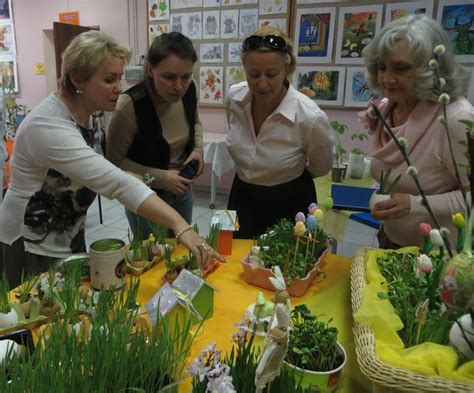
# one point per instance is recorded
(294, 137)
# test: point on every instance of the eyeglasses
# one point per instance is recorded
(270, 41)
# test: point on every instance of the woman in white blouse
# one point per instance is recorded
(58, 167)
(279, 138)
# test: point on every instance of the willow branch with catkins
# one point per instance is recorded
(415, 178)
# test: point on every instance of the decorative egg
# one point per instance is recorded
(463, 340)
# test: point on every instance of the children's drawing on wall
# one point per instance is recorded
(158, 9)
(229, 24)
(156, 30)
(314, 34)
(210, 85)
(211, 3)
(7, 40)
(324, 85)
(248, 22)
(5, 7)
(357, 27)
(233, 52)
(9, 75)
(188, 23)
(277, 23)
(358, 92)
(211, 53)
(273, 7)
(233, 75)
(211, 23)
(399, 10)
(457, 18)
(238, 2)
(176, 4)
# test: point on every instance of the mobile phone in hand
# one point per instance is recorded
(190, 170)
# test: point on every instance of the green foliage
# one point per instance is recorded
(159, 232)
(280, 240)
(338, 129)
(109, 361)
(26, 286)
(170, 265)
(385, 187)
(139, 250)
(469, 126)
(5, 304)
(406, 291)
(313, 344)
(211, 238)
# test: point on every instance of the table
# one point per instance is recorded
(329, 297)
(216, 154)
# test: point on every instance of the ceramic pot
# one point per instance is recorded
(9, 319)
(337, 174)
(375, 198)
(318, 381)
(356, 165)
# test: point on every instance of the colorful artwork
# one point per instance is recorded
(318, 1)
(9, 75)
(188, 23)
(267, 7)
(7, 40)
(357, 27)
(229, 24)
(277, 23)
(156, 30)
(177, 4)
(211, 53)
(238, 2)
(5, 8)
(358, 93)
(325, 85)
(248, 22)
(234, 75)
(210, 24)
(210, 85)
(457, 18)
(399, 10)
(158, 10)
(233, 53)
(314, 34)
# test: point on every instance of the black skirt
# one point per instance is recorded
(260, 207)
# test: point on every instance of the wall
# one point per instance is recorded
(126, 21)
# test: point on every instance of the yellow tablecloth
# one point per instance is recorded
(330, 296)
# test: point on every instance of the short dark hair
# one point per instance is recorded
(171, 43)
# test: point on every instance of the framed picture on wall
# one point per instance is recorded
(233, 52)
(9, 72)
(210, 24)
(314, 34)
(188, 23)
(233, 75)
(248, 19)
(357, 27)
(320, 1)
(324, 85)
(176, 4)
(158, 10)
(457, 19)
(470, 91)
(155, 30)
(211, 53)
(230, 24)
(358, 92)
(277, 23)
(399, 10)
(267, 7)
(210, 85)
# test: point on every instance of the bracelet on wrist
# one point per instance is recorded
(180, 233)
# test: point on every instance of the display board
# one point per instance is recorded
(328, 39)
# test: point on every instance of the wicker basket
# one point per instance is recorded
(387, 378)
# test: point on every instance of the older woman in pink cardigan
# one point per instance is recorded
(397, 62)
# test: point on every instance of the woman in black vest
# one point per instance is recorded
(156, 130)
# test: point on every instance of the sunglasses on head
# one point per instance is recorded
(270, 41)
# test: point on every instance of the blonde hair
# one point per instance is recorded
(269, 30)
(85, 54)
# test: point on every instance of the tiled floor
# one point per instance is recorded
(115, 224)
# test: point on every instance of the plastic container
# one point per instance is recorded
(107, 263)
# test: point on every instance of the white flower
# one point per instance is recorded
(436, 238)
(403, 141)
(441, 83)
(439, 50)
(424, 263)
(444, 232)
(442, 119)
(444, 99)
(433, 64)
(412, 171)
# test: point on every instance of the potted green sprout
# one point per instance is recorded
(339, 167)
(314, 355)
(385, 188)
(8, 316)
(356, 157)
